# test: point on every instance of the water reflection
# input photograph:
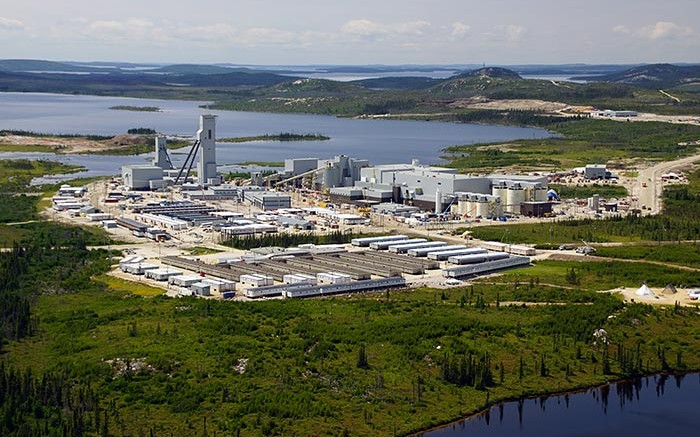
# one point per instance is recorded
(589, 413)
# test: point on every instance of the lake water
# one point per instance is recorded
(380, 141)
(647, 407)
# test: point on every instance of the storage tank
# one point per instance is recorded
(500, 190)
(515, 196)
(540, 193)
(482, 207)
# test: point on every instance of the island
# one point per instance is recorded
(136, 108)
(282, 136)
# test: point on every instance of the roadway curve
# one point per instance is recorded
(651, 177)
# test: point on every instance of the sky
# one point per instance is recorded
(352, 32)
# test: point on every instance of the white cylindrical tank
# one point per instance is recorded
(482, 207)
(438, 201)
(515, 196)
(500, 189)
(540, 194)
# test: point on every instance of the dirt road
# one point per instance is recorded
(649, 186)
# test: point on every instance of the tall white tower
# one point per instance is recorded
(161, 159)
(206, 168)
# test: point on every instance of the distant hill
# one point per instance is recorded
(482, 81)
(653, 76)
(398, 83)
(495, 72)
(233, 79)
(22, 65)
(192, 69)
(315, 86)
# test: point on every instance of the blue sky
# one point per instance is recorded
(352, 31)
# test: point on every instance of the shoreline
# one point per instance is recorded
(576, 390)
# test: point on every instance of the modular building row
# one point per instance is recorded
(514, 249)
(468, 270)
(306, 290)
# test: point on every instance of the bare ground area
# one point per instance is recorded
(74, 145)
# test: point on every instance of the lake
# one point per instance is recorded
(380, 141)
(653, 406)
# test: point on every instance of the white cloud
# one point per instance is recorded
(512, 32)
(217, 32)
(459, 29)
(665, 30)
(268, 35)
(621, 29)
(133, 29)
(367, 28)
(509, 33)
(10, 24)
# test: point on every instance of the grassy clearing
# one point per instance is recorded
(687, 254)
(28, 148)
(200, 250)
(583, 142)
(129, 287)
(601, 275)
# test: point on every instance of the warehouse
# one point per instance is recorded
(163, 220)
(141, 176)
(268, 200)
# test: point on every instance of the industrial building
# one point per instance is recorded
(268, 200)
(206, 136)
(442, 189)
(596, 171)
(160, 173)
(339, 171)
(142, 176)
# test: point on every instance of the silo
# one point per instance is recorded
(500, 189)
(482, 207)
(540, 193)
(514, 197)
(438, 201)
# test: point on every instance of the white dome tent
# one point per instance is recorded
(645, 291)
